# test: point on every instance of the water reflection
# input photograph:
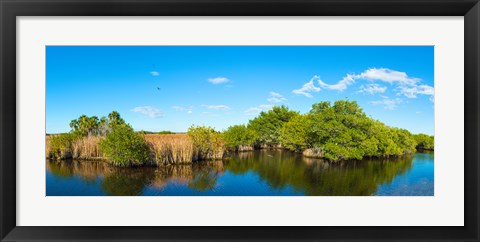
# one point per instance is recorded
(264, 172)
(316, 177)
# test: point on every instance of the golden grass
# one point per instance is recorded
(170, 148)
(165, 149)
(83, 148)
(87, 148)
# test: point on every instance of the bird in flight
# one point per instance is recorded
(158, 88)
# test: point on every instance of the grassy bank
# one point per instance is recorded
(64, 146)
(164, 149)
(334, 132)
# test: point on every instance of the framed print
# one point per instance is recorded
(227, 120)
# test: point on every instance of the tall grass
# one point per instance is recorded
(59, 146)
(164, 149)
(87, 148)
(170, 148)
(67, 146)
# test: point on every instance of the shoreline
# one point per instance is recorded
(228, 155)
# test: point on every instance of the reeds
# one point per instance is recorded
(87, 148)
(170, 148)
(179, 149)
(164, 149)
(67, 146)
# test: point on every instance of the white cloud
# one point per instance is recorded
(387, 103)
(372, 74)
(149, 111)
(218, 80)
(407, 86)
(307, 88)
(189, 111)
(258, 109)
(413, 91)
(387, 75)
(372, 89)
(276, 97)
(341, 85)
(217, 107)
(154, 73)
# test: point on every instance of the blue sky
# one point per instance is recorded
(172, 87)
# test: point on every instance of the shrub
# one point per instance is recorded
(425, 142)
(238, 137)
(123, 147)
(60, 145)
(343, 131)
(405, 140)
(207, 143)
(296, 133)
(267, 125)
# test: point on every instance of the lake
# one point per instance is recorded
(256, 173)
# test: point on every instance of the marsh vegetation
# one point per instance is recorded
(338, 132)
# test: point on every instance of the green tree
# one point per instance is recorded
(238, 135)
(424, 141)
(85, 125)
(296, 134)
(106, 124)
(122, 146)
(343, 131)
(267, 125)
(404, 140)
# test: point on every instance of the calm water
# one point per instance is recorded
(258, 173)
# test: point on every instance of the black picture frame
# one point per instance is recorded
(10, 9)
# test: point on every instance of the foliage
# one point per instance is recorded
(123, 147)
(266, 127)
(60, 145)
(343, 131)
(424, 141)
(87, 126)
(207, 143)
(238, 135)
(296, 134)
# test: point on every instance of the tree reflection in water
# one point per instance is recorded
(277, 169)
